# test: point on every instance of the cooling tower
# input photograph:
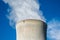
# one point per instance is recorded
(31, 30)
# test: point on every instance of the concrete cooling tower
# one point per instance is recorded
(31, 30)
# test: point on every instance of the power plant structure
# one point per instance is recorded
(31, 29)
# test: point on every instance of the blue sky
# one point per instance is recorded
(50, 8)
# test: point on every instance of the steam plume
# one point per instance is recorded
(53, 31)
(24, 9)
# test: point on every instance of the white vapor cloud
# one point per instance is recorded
(53, 31)
(24, 9)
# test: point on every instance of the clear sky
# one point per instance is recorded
(50, 8)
